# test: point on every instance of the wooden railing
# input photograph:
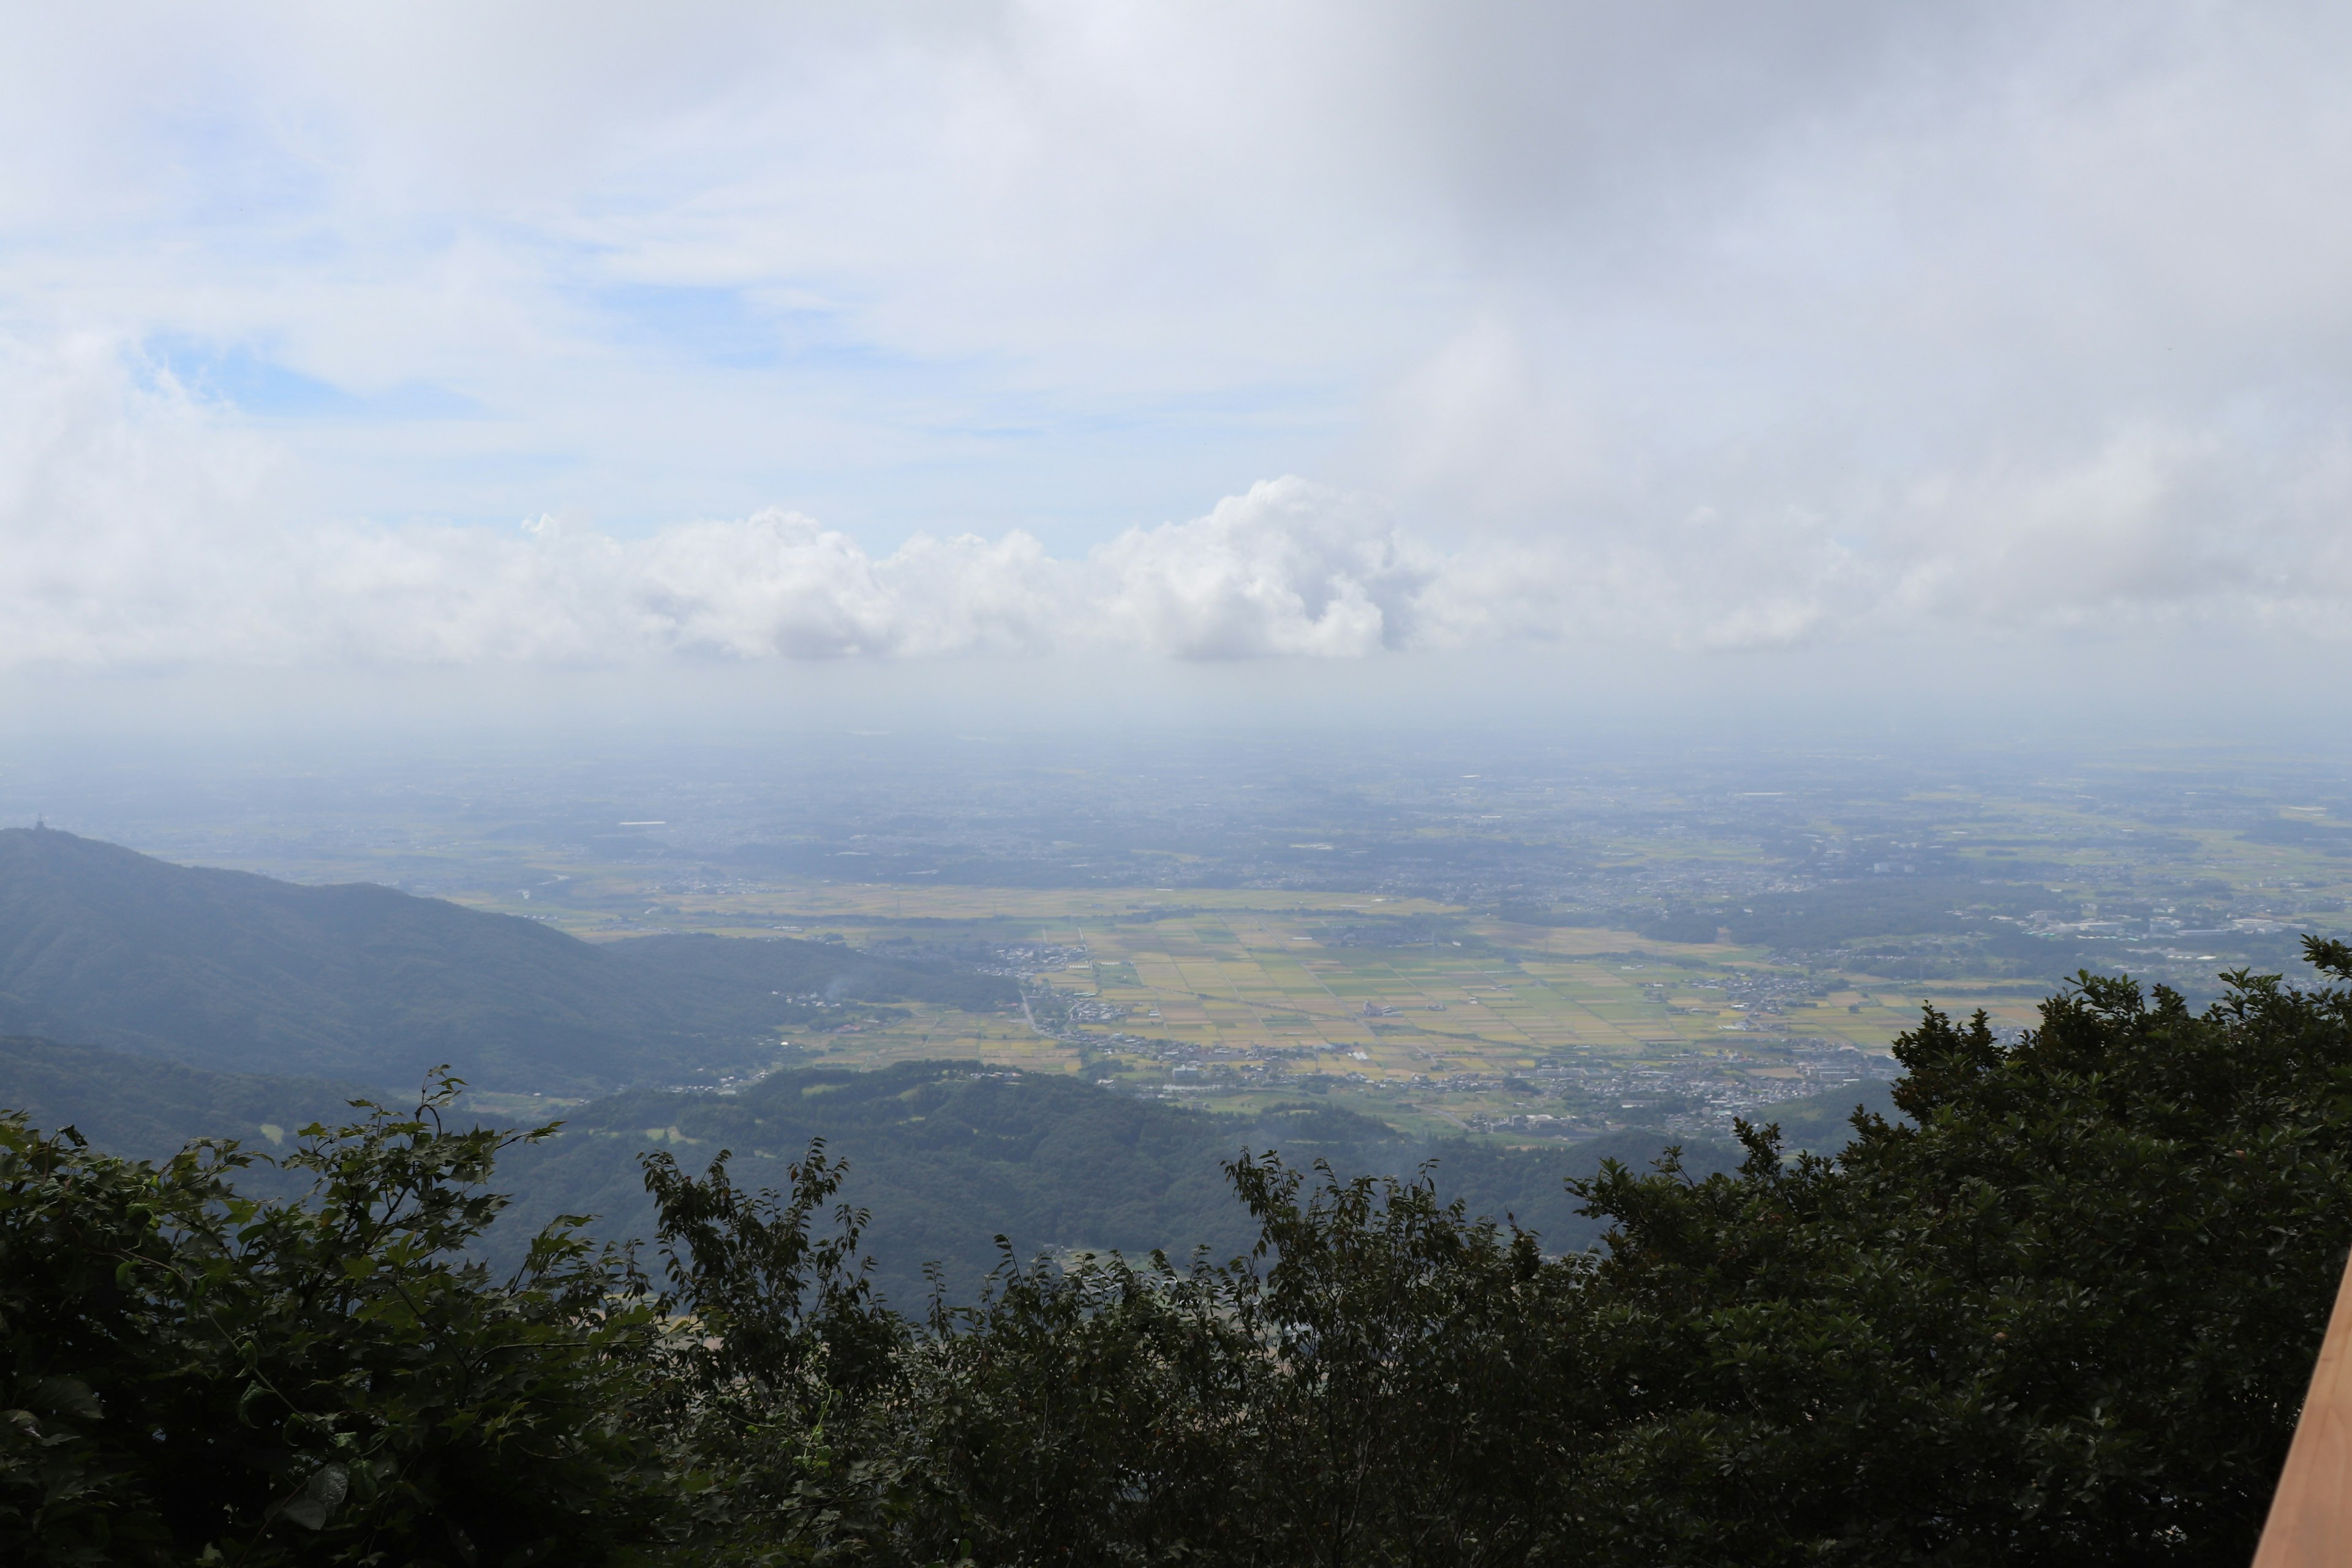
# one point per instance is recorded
(2311, 1516)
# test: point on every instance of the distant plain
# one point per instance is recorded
(1512, 940)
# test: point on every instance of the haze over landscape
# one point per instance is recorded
(998, 612)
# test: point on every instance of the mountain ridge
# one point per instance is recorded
(232, 971)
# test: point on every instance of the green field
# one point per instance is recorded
(1240, 986)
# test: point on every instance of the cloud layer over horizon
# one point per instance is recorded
(931, 331)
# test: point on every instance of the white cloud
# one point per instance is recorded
(1287, 568)
(137, 530)
(1700, 326)
(128, 518)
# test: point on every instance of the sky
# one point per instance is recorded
(1807, 346)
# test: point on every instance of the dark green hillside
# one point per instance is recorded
(949, 1155)
(1530, 1184)
(227, 970)
(232, 971)
(1821, 1123)
(143, 1108)
(946, 1155)
(147, 1110)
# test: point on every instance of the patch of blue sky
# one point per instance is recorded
(710, 326)
(736, 329)
(254, 385)
(237, 168)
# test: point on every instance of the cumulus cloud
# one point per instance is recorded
(1287, 568)
(137, 529)
(128, 517)
(130, 536)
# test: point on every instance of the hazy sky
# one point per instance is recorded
(585, 335)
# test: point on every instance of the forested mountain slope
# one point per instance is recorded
(946, 1155)
(148, 1110)
(949, 1155)
(231, 971)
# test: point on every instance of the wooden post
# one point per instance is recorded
(2311, 1516)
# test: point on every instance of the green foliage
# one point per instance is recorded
(2062, 1312)
(197, 1376)
(740, 1266)
(1417, 1406)
(1096, 1414)
(2067, 1316)
(776, 1340)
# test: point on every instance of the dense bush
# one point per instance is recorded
(2063, 1311)
(196, 1376)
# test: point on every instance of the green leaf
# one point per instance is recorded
(70, 1395)
(321, 1496)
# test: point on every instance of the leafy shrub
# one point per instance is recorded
(199, 1376)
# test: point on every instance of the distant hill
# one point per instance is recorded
(1822, 1122)
(946, 1155)
(236, 972)
(949, 1155)
(150, 1109)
